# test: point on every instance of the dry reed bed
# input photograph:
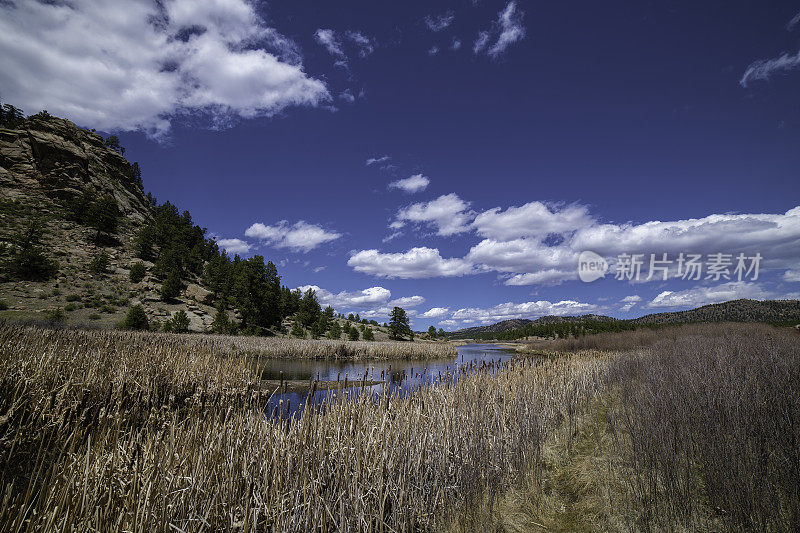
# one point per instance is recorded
(281, 347)
(708, 425)
(105, 431)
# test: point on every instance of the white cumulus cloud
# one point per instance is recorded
(448, 214)
(140, 64)
(299, 237)
(629, 302)
(509, 310)
(415, 183)
(534, 219)
(698, 296)
(435, 312)
(369, 303)
(415, 263)
(234, 246)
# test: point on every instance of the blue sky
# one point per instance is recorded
(451, 157)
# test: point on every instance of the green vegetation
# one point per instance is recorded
(137, 272)
(297, 330)
(3, 305)
(99, 264)
(398, 324)
(335, 331)
(555, 330)
(98, 212)
(27, 260)
(172, 286)
(135, 319)
(368, 334)
(11, 117)
(179, 323)
(353, 334)
(223, 325)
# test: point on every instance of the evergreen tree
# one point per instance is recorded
(103, 215)
(136, 173)
(11, 117)
(135, 319)
(171, 287)
(29, 262)
(335, 331)
(179, 322)
(137, 272)
(319, 327)
(432, 332)
(442, 334)
(398, 324)
(99, 264)
(113, 143)
(310, 310)
(352, 335)
(369, 335)
(297, 330)
(222, 325)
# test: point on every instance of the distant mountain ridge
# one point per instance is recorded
(743, 310)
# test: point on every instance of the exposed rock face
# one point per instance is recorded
(53, 158)
(198, 293)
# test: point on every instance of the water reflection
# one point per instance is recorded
(401, 376)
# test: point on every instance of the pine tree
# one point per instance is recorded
(29, 261)
(352, 334)
(398, 324)
(222, 325)
(179, 322)
(135, 319)
(103, 215)
(319, 327)
(335, 331)
(369, 335)
(310, 310)
(171, 287)
(297, 330)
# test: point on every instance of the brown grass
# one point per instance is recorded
(109, 431)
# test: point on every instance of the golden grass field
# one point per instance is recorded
(115, 431)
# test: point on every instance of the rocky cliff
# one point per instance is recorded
(52, 160)
(45, 163)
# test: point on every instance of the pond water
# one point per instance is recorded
(400, 375)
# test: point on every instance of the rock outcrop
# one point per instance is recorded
(54, 159)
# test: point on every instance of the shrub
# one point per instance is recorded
(70, 307)
(135, 319)
(55, 315)
(222, 324)
(99, 263)
(29, 261)
(171, 287)
(179, 322)
(3, 305)
(353, 334)
(137, 272)
(94, 316)
(297, 330)
(72, 297)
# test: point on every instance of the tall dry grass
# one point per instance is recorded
(708, 425)
(277, 347)
(104, 431)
